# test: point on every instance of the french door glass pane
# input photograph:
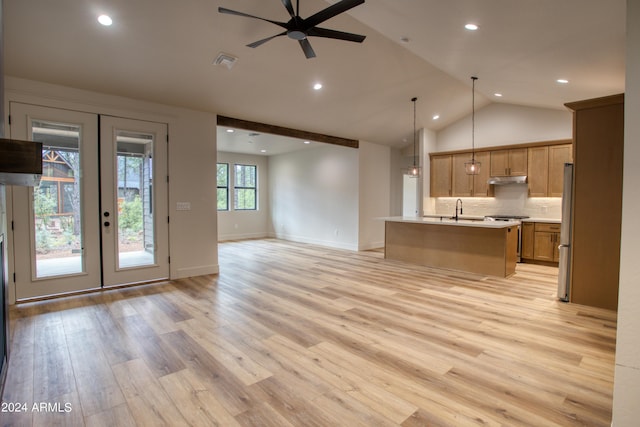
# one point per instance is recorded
(57, 201)
(135, 199)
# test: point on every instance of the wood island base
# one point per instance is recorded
(489, 251)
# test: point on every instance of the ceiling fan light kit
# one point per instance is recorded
(300, 29)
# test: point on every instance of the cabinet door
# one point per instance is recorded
(518, 161)
(462, 183)
(558, 156)
(556, 250)
(538, 171)
(544, 245)
(500, 163)
(527, 240)
(480, 186)
(441, 176)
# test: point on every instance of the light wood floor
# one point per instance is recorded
(298, 335)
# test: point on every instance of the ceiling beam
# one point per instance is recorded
(283, 131)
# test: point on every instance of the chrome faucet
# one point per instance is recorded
(459, 200)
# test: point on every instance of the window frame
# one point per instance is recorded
(225, 187)
(237, 187)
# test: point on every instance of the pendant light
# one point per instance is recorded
(414, 171)
(472, 167)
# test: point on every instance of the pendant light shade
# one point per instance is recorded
(414, 171)
(472, 167)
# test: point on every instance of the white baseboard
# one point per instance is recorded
(203, 270)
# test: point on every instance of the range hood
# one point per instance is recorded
(504, 180)
(20, 162)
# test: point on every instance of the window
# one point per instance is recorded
(245, 187)
(223, 186)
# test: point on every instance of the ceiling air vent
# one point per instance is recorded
(225, 59)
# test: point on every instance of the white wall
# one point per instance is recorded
(429, 141)
(374, 193)
(245, 224)
(314, 196)
(626, 394)
(192, 159)
(505, 124)
(496, 125)
(396, 167)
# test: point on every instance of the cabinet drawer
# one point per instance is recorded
(548, 227)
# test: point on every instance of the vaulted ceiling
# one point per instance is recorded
(163, 51)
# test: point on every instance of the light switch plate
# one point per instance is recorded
(183, 206)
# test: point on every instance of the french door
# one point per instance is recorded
(98, 217)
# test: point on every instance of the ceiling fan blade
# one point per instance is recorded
(263, 41)
(289, 6)
(246, 15)
(330, 12)
(333, 34)
(307, 49)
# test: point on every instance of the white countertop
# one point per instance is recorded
(547, 220)
(444, 220)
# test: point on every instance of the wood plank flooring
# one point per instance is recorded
(298, 335)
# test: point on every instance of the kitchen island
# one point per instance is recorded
(482, 247)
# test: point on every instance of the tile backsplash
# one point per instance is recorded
(508, 200)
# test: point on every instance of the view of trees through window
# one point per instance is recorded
(130, 209)
(245, 187)
(57, 206)
(56, 203)
(223, 186)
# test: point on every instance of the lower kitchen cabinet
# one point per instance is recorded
(527, 240)
(540, 241)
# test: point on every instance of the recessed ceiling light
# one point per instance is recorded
(307, 142)
(563, 81)
(497, 95)
(436, 117)
(105, 20)
(230, 131)
(263, 151)
(317, 86)
(471, 27)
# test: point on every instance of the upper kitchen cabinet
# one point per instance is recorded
(464, 185)
(558, 156)
(511, 162)
(538, 171)
(481, 187)
(598, 142)
(545, 169)
(440, 176)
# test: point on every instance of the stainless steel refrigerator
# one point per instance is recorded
(564, 272)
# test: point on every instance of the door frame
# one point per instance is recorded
(10, 191)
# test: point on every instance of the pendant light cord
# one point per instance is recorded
(473, 118)
(414, 130)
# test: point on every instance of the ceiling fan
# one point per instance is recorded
(298, 28)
